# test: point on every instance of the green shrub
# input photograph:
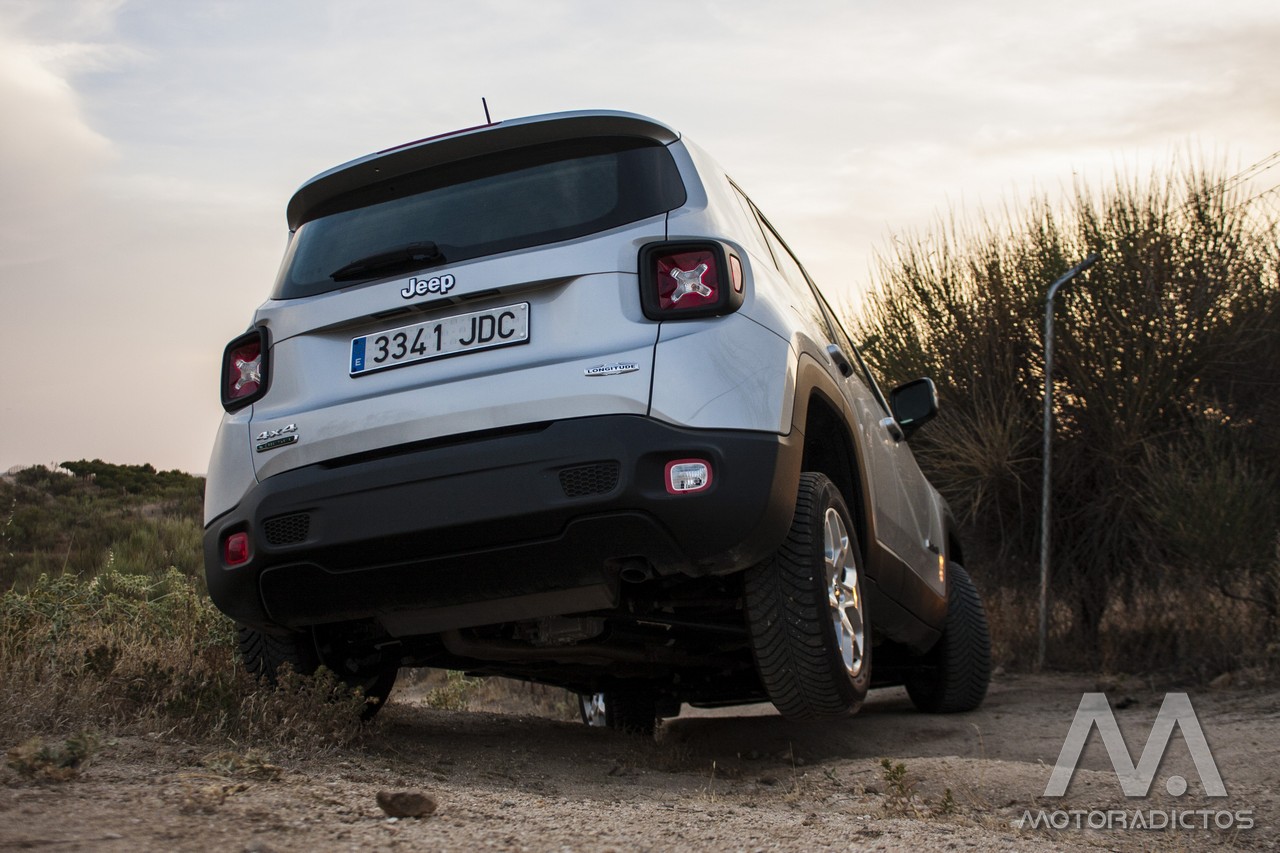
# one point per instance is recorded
(455, 694)
(53, 762)
(53, 522)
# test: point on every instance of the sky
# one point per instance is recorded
(148, 147)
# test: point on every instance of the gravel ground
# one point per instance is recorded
(734, 779)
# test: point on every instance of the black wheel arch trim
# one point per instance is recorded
(918, 613)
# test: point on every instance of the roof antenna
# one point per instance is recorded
(485, 104)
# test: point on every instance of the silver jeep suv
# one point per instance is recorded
(551, 399)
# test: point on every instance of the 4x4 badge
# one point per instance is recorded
(272, 438)
(612, 369)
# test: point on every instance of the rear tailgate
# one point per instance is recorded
(580, 300)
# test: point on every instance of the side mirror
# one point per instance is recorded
(914, 404)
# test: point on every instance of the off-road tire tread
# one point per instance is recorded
(961, 660)
(631, 711)
(264, 654)
(786, 610)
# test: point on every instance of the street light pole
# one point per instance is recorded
(1066, 279)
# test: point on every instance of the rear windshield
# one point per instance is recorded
(496, 203)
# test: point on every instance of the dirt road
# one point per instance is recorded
(741, 779)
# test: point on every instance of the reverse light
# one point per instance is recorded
(686, 476)
(680, 280)
(245, 370)
(690, 282)
(235, 550)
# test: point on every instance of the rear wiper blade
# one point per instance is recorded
(421, 254)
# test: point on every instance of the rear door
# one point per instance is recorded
(908, 524)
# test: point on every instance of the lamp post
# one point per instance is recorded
(1066, 279)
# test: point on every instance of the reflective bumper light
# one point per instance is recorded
(235, 551)
(686, 476)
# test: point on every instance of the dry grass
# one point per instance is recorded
(1171, 629)
(133, 654)
(454, 691)
(51, 761)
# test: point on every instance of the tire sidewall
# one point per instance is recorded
(961, 659)
(853, 689)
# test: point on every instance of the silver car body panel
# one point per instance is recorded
(231, 474)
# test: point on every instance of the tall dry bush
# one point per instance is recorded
(1166, 377)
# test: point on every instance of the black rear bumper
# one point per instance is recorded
(538, 521)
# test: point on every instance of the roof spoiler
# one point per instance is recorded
(315, 194)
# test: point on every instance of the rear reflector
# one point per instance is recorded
(235, 551)
(686, 476)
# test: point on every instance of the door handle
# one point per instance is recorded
(895, 431)
(841, 362)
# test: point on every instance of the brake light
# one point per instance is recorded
(235, 551)
(680, 280)
(245, 370)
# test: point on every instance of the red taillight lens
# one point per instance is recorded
(244, 370)
(235, 551)
(685, 280)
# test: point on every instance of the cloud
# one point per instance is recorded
(48, 150)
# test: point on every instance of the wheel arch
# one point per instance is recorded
(822, 418)
(955, 548)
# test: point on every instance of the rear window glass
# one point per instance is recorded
(483, 206)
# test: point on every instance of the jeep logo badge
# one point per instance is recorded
(440, 284)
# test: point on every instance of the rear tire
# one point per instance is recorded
(958, 669)
(359, 665)
(807, 614)
(372, 672)
(264, 654)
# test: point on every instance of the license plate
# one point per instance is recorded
(462, 333)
